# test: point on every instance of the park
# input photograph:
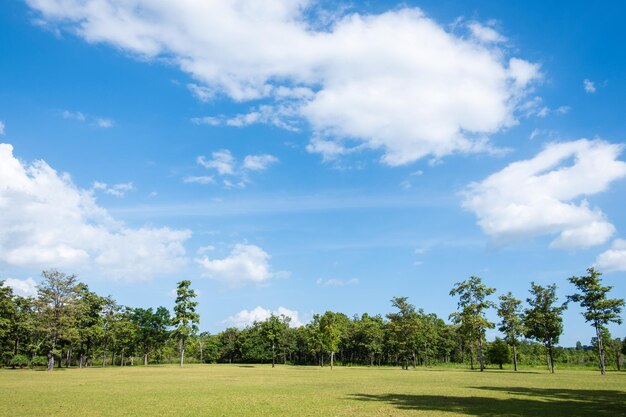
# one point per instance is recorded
(260, 390)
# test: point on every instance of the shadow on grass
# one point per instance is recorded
(245, 366)
(544, 402)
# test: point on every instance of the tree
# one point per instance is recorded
(473, 303)
(273, 329)
(8, 315)
(403, 328)
(330, 333)
(57, 299)
(599, 310)
(543, 320)
(185, 318)
(499, 352)
(510, 311)
(153, 328)
(229, 341)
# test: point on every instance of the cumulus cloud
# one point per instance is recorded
(226, 165)
(332, 282)
(613, 259)
(49, 222)
(116, 190)
(246, 264)
(545, 195)
(23, 287)
(589, 86)
(248, 317)
(397, 82)
(2, 127)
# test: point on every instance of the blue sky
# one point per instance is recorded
(306, 156)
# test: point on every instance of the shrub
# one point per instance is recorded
(19, 361)
(39, 361)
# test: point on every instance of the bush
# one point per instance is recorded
(19, 361)
(39, 361)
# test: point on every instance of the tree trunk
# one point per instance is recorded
(145, 358)
(332, 360)
(80, 360)
(67, 357)
(181, 349)
(104, 357)
(414, 360)
(481, 359)
(551, 357)
(600, 350)
(50, 361)
(122, 361)
(514, 357)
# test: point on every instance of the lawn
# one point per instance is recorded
(247, 390)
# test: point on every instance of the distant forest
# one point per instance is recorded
(68, 325)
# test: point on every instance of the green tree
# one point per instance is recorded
(8, 317)
(403, 329)
(472, 304)
(57, 302)
(330, 333)
(229, 342)
(510, 311)
(273, 330)
(543, 320)
(152, 328)
(185, 318)
(499, 352)
(599, 310)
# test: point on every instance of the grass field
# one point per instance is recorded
(246, 390)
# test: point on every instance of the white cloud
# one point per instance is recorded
(2, 127)
(613, 259)
(246, 264)
(208, 120)
(397, 82)
(545, 195)
(258, 162)
(485, 33)
(248, 317)
(22, 287)
(589, 86)
(117, 190)
(222, 161)
(49, 222)
(101, 122)
(203, 179)
(203, 94)
(104, 123)
(336, 282)
(225, 164)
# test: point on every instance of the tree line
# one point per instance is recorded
(66, 324)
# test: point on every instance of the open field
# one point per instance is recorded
(259, 390)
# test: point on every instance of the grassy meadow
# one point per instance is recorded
(259, 390)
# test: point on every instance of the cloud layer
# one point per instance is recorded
(544, 195)
(397, 82)
(48, 222)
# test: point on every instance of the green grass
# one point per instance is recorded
(231, 390)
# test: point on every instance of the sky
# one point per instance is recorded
(302, 156)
